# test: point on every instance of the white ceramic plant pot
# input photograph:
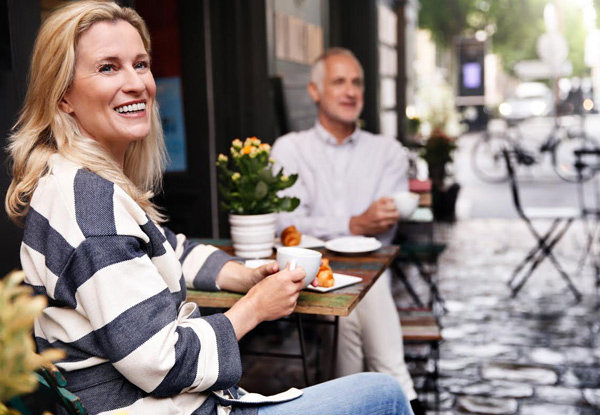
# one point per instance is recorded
(252, 235)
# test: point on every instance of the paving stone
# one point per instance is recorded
(461, 331)
(583, 377)
(592, 397)
(481, 351)
(446, 383)
(478, 388)
(449, 365)
(561, 395)
(549, 409)
(505, 389)
(520, 373)
(580, 356)
(547, 356)
(491, 406)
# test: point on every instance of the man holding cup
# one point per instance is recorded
(347, 177)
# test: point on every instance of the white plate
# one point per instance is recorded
(341, 280)
(306, 241)
(353, 244)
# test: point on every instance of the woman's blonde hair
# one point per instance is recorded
(42, 129)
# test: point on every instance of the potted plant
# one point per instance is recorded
(437, 152)
(18, 360)
(249, 193)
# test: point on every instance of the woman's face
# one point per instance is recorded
(113, 91)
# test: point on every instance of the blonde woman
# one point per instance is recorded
(88, 154)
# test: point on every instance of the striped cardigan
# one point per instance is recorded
(116, 286)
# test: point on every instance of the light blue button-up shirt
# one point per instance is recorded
(338, 180)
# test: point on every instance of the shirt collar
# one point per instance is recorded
(328, 138)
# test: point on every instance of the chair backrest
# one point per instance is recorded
(514, 186)
(51, 378)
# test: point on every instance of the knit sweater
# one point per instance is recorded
(116, 288)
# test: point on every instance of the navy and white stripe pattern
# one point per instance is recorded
(116, 285)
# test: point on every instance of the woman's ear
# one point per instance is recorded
(313, 91)
(64, 106)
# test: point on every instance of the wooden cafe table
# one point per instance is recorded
(335, 303)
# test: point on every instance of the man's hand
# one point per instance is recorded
(380, 216)
(272, 298)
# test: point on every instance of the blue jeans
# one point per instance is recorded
(360, 394)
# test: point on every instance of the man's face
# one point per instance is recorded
(340, 99)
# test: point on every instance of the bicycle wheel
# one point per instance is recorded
(563, 158)
(487, 160)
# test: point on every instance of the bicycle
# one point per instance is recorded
(489, 166)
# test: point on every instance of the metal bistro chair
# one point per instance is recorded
(587, 163)
(561, 217)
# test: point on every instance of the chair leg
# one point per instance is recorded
(544, 249)
(428, 273)
(592, 235)
(397, 270)
(534, 251)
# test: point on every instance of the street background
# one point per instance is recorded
(539, 183)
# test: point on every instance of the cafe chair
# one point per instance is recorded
(587, 165)
(51, 393)
(561, 218)
(421, 327)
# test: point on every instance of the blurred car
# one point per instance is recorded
(531, 99)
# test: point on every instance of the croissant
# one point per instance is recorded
(325, 275)
(291, 236)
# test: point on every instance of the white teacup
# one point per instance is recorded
(406, 203)
(308, 259)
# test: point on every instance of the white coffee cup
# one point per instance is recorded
(406, 203)
(308, 259)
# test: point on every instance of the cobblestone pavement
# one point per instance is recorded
(536, 354)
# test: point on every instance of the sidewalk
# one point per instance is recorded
(537, 354)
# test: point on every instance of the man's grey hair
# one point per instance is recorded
(317, 72)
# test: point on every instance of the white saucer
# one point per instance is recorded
(353, 245)
(306, 241)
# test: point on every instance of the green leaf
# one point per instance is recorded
(261, 190)
(266, 175)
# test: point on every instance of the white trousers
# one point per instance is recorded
(372, 335)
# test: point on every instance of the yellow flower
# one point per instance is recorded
(271, 160)
(222, 158)
(235, 176)
(247, 149)
(237, 143)
(284, 178)
(252, 141)
(265, 147)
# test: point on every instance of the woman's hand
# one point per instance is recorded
(239, 278)
(272, 298)
(260, 273)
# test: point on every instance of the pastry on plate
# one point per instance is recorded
(324, 277)
(291, 236)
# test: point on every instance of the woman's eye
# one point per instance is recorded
(107, 67)
(142, 65)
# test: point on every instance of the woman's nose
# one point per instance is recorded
(133, 81)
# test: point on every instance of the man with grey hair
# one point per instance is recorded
(346, 177)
